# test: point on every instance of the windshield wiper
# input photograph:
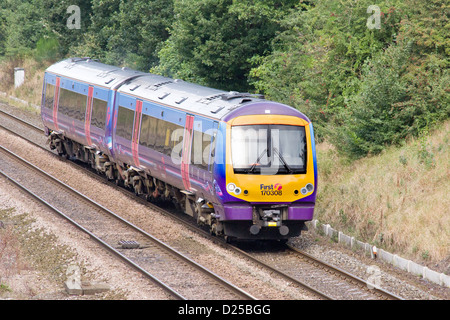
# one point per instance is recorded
(288, 168)
(256, 162)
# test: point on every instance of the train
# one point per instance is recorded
(243, 166)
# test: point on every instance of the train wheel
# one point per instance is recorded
(229, 240)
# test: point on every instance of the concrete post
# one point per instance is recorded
(19, 77)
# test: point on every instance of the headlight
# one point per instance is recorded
(307, 189)
(231, 187)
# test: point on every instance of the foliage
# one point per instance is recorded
(317, 60)
(213, 41)
(21, 27)
(403, 89)
(127, 32)
(48, 49)
(364, 88)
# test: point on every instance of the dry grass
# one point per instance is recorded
(11, 261)
(397, 200)
(34, 73)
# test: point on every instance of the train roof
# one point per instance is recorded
(213, 103)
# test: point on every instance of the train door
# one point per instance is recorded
(56, 103)
(202, 151)
(136, 131)
(87, 120)
(186, 154)
(47, 104)
(123, 128)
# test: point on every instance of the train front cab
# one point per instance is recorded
(270, 176)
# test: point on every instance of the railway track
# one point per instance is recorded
(326, 282)
(329, 280)
(361, 289)
(153, 258)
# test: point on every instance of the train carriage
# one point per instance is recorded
(242, 165)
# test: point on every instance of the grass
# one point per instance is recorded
(10, 255)
(26, 247)
(397, 200)
(30, 91)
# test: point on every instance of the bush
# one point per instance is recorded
(48, 49)
(397, 98)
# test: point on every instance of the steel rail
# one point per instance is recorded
(161, 284)
(379, 292)
(159, 243)
(24, 122)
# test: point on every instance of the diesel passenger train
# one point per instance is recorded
(242, 165)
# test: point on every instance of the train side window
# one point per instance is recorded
(152, 131)
(160, 135)
(196, 148)
(149, 130)
(173, 134)
(145, 130)
(125, 120)
(81, 107)
(163, 134)
(49, 96)
(208, 150)
(98, 118)
(176, 143)
(72, 104)
(201, 149)
(64, 102)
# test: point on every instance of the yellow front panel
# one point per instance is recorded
(270, 188)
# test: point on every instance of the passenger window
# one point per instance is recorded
(144, 139)
(207, 150)
(72, 104)
(49, 96)
(196, 148)
(200, 150)
(160, 135)
(98, 118)
(124, 126)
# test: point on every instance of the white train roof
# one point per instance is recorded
(179, 94)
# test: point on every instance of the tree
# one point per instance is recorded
(212, 42)
(316, 61)
(127, 32)
(403, 89)
(22, 26)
